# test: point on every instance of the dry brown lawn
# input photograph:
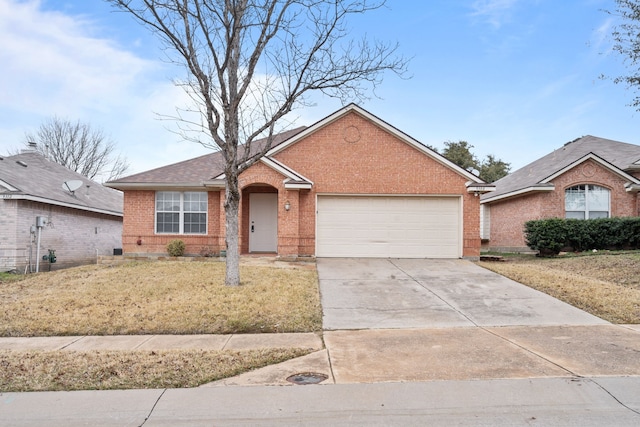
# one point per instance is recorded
(606, 285)
(160, 298)
(105, 370)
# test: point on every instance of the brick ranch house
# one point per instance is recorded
(78, 224)
(349, 185)
(589, 177)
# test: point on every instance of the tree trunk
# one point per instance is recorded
(231, 208)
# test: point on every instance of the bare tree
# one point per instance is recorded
(79, 147)
(626, 38)
(251, 62)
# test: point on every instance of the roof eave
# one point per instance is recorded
(298, 185)
(59, 203)
(522, 191)
(597, 159)
(124, 186)
(478, 189)
(632, 188)
(214, 183)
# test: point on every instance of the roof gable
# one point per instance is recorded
(208, 170)
(353, 108)
(30, 176)
(590, 156)
(617, 156)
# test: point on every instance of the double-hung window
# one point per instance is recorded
(181, 212)
(586, 201)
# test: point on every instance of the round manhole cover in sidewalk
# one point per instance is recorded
(307, 378)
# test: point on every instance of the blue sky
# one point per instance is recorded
(514, 78)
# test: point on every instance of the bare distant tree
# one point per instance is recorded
(626, 38)
(250, 62)
(79, 147)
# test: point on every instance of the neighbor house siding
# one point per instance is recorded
(508, 216)
(507, 221)
(10, 250)
(77, 237)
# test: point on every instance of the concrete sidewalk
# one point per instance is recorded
(165, 342)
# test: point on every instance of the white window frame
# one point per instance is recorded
(587, 191)
(181, 213)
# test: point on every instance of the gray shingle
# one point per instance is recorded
(622, 155)
(199, 169)
(38, 177)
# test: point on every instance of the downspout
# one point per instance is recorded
(38, 249)
(40, 222)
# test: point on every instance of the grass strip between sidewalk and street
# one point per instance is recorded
(22, 371)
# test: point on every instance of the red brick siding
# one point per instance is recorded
(139, 226)
(338, 166)
(508, 217)
(349, 156)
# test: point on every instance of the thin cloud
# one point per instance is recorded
(494, 12)
(54, 62)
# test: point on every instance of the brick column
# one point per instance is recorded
(288, 223)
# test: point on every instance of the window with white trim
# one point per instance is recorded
(181, 212)
(586, 201)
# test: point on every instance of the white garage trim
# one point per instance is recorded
(388, 226)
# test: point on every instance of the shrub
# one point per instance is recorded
(550, 236)
(176, 247)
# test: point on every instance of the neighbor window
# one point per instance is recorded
(586, 202)
(181, 213)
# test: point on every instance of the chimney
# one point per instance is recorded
(31, 147)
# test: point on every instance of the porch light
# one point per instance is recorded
(287, 205)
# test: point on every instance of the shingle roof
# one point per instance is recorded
(195, 171)
(29, 175)
(620, 154)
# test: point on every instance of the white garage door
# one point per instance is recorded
(388, 227)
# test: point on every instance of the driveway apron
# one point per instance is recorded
(370, 293)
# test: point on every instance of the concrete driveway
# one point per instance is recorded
(425, 320)
(362, 293)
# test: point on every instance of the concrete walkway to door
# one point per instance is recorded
(365, 293)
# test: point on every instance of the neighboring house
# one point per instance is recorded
(590, 177)
(77, 224)
(350, 185)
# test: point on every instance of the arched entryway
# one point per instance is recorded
(260, 219)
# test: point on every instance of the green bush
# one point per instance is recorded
(546, 235)
(550, 236)
(176, 247)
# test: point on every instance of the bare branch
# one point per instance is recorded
(249, 63)
(79, 147)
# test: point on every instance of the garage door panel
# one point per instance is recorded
(379, 226)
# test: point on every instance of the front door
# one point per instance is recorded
(263, 222)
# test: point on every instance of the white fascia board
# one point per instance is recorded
(284, 170)
(596, 159)
(215, 183)
(472, 188)
(392, 130)
(532, 189)
(632, 188)
(293, 185)
(8, 186)
(155, 185)
(58, 203)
